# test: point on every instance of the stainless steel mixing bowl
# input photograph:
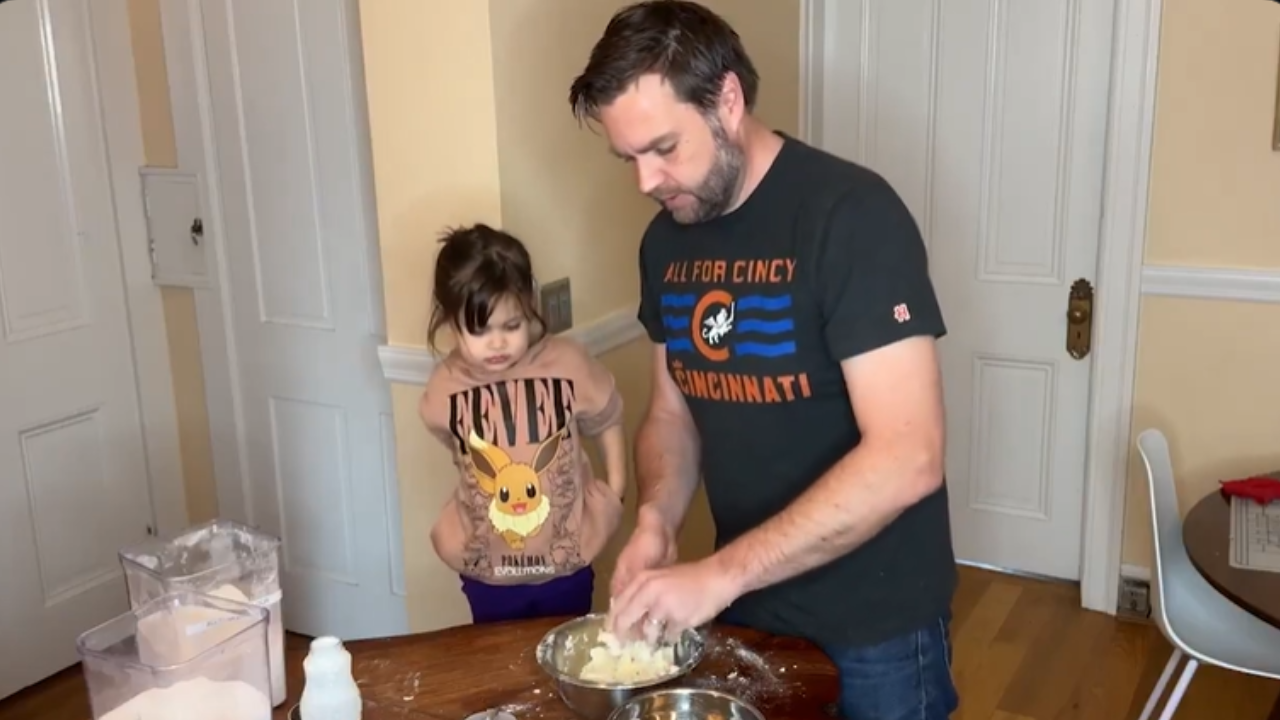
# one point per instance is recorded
(565, 649)
(685, 704)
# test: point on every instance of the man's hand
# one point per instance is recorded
(675, 598)
(651, 545)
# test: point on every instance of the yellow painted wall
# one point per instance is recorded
(429, 78)
(470, 121)
(179, 303)
(1207, 370)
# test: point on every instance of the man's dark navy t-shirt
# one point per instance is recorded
(757, 309)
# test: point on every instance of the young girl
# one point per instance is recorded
(512, 404)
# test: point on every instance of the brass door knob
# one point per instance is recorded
(1080, 319)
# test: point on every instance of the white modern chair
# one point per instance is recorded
(1198, 621)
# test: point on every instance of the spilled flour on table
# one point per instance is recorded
(536, 701)
(409, 686)
(746, 674)
(523, 710)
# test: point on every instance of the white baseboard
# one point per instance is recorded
(1135, 572)
(412, 365)
(1212, 283)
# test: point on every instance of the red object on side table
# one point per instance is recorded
(1261, 490)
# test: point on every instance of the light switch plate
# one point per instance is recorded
(556, 299)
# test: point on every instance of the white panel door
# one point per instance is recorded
(989, 117)
(73, 475)
(305, 297)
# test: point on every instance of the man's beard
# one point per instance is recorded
(715, 194)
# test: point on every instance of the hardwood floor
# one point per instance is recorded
(1024, 650)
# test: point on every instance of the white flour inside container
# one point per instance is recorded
(198, 699)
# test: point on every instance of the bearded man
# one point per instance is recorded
(787, 296)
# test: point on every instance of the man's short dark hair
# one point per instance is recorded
(691, 47)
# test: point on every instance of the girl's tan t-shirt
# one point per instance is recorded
(527, 507)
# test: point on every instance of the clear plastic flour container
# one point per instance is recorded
(183, 656)
(220, 558)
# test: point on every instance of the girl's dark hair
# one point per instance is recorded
(689, 46)
(476, 269)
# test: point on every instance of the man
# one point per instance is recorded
(788, 298)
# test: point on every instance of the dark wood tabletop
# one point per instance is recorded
(1206, 532)
(450, 674)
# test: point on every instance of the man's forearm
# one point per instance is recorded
(856, 499)
(666, 468)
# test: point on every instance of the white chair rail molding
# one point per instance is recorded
(1209, 283)
(412, 366)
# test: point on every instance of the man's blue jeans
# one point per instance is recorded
(906, 678)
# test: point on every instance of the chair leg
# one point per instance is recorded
(1185, 679)
(1156, 692)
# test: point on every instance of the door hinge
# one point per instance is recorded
(151, 254)
(151, 531)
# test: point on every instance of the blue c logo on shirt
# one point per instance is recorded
(716, 321)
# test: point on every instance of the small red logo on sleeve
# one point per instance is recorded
(901, 313)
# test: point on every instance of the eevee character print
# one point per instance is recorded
(518, 508)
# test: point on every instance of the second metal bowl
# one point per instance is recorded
(686, 704)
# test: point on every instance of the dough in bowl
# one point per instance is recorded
(614, 662)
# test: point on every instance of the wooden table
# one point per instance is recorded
(1206, 532)
(450, 674)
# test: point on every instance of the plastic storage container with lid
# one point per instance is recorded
(220, 558)
(183, 656)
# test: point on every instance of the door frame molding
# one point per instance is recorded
(112, 41)
(190, 102)
(1122, 239)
